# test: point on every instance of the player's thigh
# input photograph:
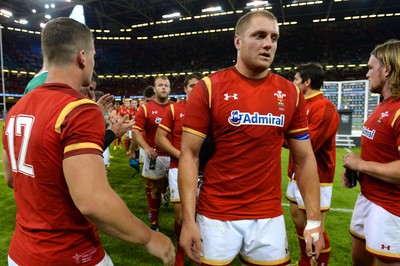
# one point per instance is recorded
(221, 242)
(265, 242)
(161, 168)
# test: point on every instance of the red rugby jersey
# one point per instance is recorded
(323, 123)
(242, 180)
(147, 119)
(172, 122)
(49, 124)
(380, 142)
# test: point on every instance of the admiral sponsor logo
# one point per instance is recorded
(368, 133)
(238, 118)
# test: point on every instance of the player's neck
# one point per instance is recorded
(161, 101)
(63, 75)
(310, 92)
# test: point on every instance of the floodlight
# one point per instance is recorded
(211, 9)
(6, 12)
(78, 14)
(257, 3)
(172, 15)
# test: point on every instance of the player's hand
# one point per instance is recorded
(190, 241)
(151, 153)
(105, 102)
(314, 242)
(120, 127)
(345, 181)
(161, 246)
(352, 161)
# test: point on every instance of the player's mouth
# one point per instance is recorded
(266, 56)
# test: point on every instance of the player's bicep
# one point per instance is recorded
(86, 179)
(300, 149)
(191, 143)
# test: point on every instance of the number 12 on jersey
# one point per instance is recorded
(20, 126)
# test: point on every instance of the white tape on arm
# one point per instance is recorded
(311, 224)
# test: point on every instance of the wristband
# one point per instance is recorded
(311, 224)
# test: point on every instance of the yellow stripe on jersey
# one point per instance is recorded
(82, 145)
(136, 127)
(145, 110)
(164, 127)
(395, 117)
(67, 109)
(172, 111)
(194, 132)
(298, 95)
(297, 130)
(207, 80)
(313, 95)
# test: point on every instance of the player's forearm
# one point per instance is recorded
(111, 215)
(308, 182)
(137, 135)
(187, 180)
(163, 143)
(388, 172)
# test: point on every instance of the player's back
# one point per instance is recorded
(37, 132)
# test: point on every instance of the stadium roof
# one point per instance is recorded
(145, 17)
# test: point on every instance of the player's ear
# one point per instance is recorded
(81, 58)
(237, 41)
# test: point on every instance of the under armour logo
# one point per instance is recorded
(154, 112)
(234, 96)
(385, 247)
(181, 115)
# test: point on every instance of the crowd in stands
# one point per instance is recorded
(327, 43)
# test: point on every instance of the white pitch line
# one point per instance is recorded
(332, 209)
(347, 149)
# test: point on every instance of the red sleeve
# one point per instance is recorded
(83, 131)
(140, 118)
(167, 119)
(322, 124)
(197, 112)
(299, 126)
(396, 128)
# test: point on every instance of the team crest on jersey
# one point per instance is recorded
(181, 115)
(279, 95)
(368, 133)
(158, 120)
(383, 115)
(238, 118)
